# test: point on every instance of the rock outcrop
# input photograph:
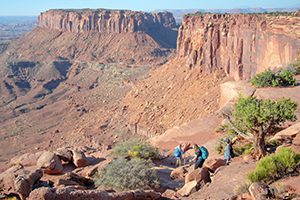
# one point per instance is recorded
(69, 193)
(241, 45)
(19, 181)
(105, 21)
(50, 163)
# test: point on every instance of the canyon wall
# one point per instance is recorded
(108, 21)
(241, 45)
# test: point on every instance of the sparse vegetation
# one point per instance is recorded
(282, 78)
(262, 117)
(296, 66)
(135, 148)
(122, 174)
(275, 166)
(242, 189)
(244, 149)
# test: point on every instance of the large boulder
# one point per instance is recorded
(19, 181)
(188, 189)
(71, 194)
(200, 175)
(214, 164)
(194, 180)
(79, 159)
(26, 160)
(290, 132)
(179, 173)
(64, 154)
(50, 163)
(71, 178)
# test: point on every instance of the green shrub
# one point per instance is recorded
(275, 166)
(122, 174)
(245, 149)
(135, 148)
(274, 79)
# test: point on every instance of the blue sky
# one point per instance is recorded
(34, 7)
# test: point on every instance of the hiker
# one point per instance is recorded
(228, 153)
(201, 154)
(178, 153)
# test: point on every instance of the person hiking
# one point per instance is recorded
(201, 154)
(228, 153)
(178, 153)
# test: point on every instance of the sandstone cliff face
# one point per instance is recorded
(108, 21)
(241, 45)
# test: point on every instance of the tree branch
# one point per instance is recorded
(246, 136)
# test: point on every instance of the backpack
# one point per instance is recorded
(204, 152)
(177, 152)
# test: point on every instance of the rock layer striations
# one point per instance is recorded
(107, 21)
(242, 45)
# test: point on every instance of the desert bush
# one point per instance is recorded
(269, 78)
(296, 66)
(135, 148)
(244, 149)
(275, 166)
(122, 174)
(242, 189)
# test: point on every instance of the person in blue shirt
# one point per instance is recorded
(228, 153)
(201, 154)
(178, 153)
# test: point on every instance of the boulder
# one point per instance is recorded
(19, 181)
(289, 132)
(25, 181)
(90, 171)
(296, 140)
(79, 159)
(188, 189)
(64, 154)
(169, 194)
(50, 163)
(148, 194)
(75, 179)
(26, 160)
(258, 191)
(214, 164)
(179, 173)
(231, 90)
(69, 193)
(200, 175)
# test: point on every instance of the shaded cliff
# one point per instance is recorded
(109, 21)
(242, 45)
(158, 25)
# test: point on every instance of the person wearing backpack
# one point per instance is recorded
(228, 153)
(178, 153)
(201, 154)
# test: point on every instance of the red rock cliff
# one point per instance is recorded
(108, 21)
(242, 45)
